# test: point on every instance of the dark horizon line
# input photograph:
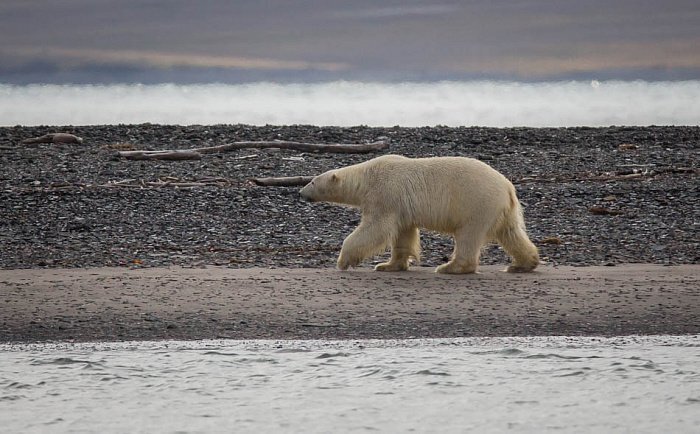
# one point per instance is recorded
(505, 78)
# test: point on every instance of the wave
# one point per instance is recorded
(344, 103)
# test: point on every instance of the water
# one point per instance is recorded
(482, 103)
(630, 384)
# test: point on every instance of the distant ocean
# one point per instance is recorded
(474, 103)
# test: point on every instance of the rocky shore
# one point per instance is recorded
(592, 196)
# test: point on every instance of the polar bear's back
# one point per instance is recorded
(438, 193)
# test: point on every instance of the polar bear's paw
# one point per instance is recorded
(347, 261)
(392, 266)
(455, 268)
(520, 268)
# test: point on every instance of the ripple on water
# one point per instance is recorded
(316, 386)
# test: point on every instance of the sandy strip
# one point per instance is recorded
(216, 302)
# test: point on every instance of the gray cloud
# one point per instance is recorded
(328, 39)
(68, 57)
(398, 11)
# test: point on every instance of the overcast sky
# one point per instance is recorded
(152, 41)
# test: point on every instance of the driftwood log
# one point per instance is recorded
(611, 176)
(53, 138)
(285, 181)
(337, 148)
(161, 155)
(195, 153)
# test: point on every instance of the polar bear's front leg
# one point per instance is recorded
(369, 238)
(405, 247)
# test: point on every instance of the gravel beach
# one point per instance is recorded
(78, 205)
(591, 196)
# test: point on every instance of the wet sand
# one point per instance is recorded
(116, 304)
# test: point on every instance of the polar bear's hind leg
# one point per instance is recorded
(465, 258)
(511, 235)
(517, 244)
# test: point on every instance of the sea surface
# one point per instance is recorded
(553, 384)
(346, 103)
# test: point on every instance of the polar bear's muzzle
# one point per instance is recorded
(304, 193)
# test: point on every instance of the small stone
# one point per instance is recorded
(551, 240)
(627, 146)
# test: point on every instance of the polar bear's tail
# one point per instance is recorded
(510, 234)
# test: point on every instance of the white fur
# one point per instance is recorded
(459, 196)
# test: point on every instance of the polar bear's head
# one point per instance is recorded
(323, 188)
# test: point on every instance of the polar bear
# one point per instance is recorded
(460, 196)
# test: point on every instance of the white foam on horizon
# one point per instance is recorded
(473, 103)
